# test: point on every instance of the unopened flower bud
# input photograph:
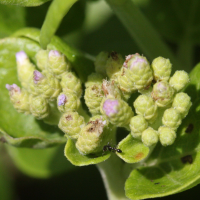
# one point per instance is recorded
(140, 71)
(93, 97)
(69, 81)
(71, 124)
(41, 58)
(100, 63)
(162, 93)
(57, 63)
(179, 80)
(19, 98)
(94, 78)
(149, 137)
(171, 118)
(117, 111)
(39, 106)
(93, 136)
(24, 69)
(137, 125)
(161, 69)
(113, 64)
(182, 103)
(145, 106)
(110, 89)
(167, 136)
(45, 84)
(68, 101)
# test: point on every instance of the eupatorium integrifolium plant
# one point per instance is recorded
(145, 98)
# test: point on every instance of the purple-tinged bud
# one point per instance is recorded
(13, 88)
(21, 56)
(62, 99)
(54, 53)
(110, 107)
(37, 76)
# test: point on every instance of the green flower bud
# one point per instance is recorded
(93, 97)
(113, 64)
(68, 101)
(171, 118)
(110, 89)
(137, 125)
(94, 78)
(93, 136)
(140, 71)
(39, 106)
(25, 69)
(100, 63)
(145, 106)
(162, 93)
(69, 81)
(117, 111)
(41, 58)
(44, 84)
(125, 83)
(149, 137)
(71, 124)
(179, 80)
(19, 98)
(57, 63)
(146, 91)
(167, 136)
(161, 69)
(182, 103)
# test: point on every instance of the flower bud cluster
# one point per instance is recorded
(49, 82)
(160, 106)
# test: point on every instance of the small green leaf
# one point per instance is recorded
(57, 10)
(40, 163)
(132, 150)
(24, 3)
(175, 168)
(15, 128)
(78, 159)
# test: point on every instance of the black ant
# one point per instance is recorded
(111, 149)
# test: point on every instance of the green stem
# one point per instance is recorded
(141, 30)
(112, 175)
(57, 10)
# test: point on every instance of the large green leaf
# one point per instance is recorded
(40, 163)
(24, 3)
(175, 168)
(12, 18)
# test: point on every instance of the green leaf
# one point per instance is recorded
(40, 163)
(12, 18)
(24, 3)
(19, 129)
(5, 185)
(175, 168)
(132, 150)
(80, 61)
(55, 14)
(78, 159)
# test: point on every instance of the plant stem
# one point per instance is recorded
(57, 10)
(141, 30)
(111, 172)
